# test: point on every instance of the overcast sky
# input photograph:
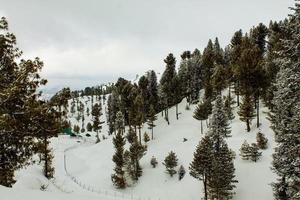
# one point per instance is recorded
(87, 42)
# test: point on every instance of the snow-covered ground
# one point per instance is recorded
(88, 169)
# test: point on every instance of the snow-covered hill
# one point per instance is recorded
(85, 168)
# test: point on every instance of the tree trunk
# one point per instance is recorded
(257, 110)
(177, 111)
(167, 116)
(238, 95)
(46, 158)
(238, 99)
(201, 127)
(140, 135)
(152, 131)
(205, 187)
(248, 125)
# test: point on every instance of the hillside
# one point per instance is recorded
(91, 166)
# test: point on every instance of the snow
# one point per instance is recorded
(87, 174)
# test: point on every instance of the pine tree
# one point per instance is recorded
(177, 93)
(200, 168)
(151, 118)
(139, 114)
(153, 162)
(201, 113)
(146, 137)
(235, 54)
(89, 127)
(258, 36)
(221, 181)
(113, 106)
(131, 135)
(218, 80)
(153, 90)
(185, 75)
(119, 122)
(49, 126)
(245, 151)
(171, 162)
(246, 111)
(144, 92)
(285, 116)
(97, 124)
(76, 129)
(135, 153)
(254, 152)
(166, 82)
(21, 111)
(228, 107)
(181, 172)
(208, 60)
(261, 141)
(219, 127)
(118, 178)
(196, 77)
(276, 37)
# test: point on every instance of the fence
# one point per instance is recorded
(108, 193)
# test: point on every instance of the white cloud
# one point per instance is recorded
(90, 41)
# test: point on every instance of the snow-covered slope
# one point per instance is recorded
(89, 166)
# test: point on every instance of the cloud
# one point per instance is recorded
(95, 40)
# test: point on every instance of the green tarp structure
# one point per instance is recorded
(67, 131)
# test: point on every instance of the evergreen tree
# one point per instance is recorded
(177, 94)
(131, 135)
(89, 127)
(76, 129)
(97, 124)
(208, 60)
(235, 54)
(261, 141)
(49, 126)
(246, 111)
(112, 108)
(171, 162)
(276, 37)
(286, 113)
(228, 107)
(151, 118)
(144, 92)
(20, 110)
(245, 151)
(218, 80)
(119, 122)
(181, 172)
(200, 168)
(146, 137)
(139, 114)
(185, 75)
(153, 90)
(153, 162)
(250, 152)
(219, 127)
(254, 152)
(135, 153)
(196, 76)
(166, 82)
(221, 182)
(201, 113)
(118, 178)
